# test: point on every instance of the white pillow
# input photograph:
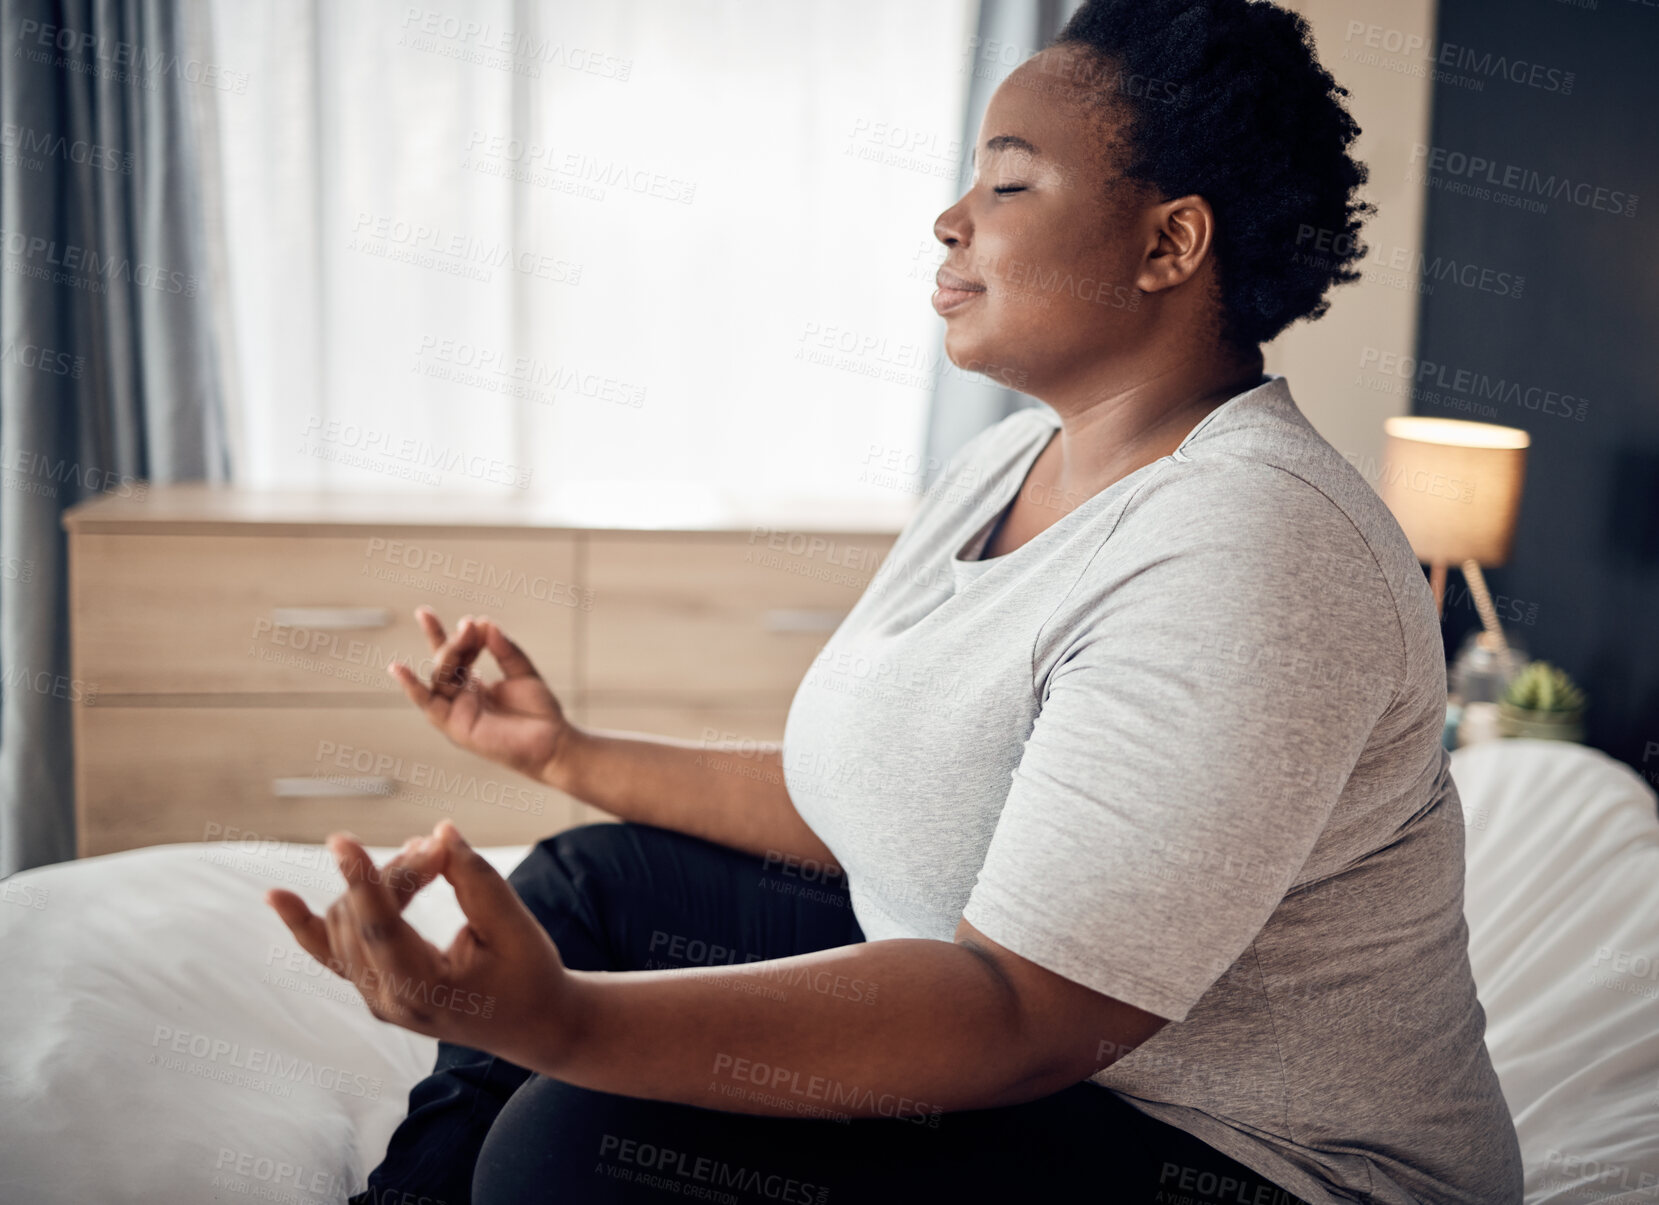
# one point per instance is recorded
(166, 1039)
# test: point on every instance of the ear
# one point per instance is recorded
(1179, 235)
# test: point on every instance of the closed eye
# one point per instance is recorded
(1003, 190)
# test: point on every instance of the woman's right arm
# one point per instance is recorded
(736, 800)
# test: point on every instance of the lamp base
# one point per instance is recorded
(1484, 667)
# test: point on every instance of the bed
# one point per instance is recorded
(166, 1040)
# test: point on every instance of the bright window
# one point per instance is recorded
(614, 253)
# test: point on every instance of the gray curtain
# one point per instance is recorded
(109, 367)
(964, 405)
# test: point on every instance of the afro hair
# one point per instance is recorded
(1225, 99)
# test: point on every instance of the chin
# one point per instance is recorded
(977, 355)
(963, 347)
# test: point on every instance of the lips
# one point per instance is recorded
(954, 291)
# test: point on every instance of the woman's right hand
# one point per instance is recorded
(516, 721)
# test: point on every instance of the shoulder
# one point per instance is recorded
(1244, 553)
(1245, 509)
(1263, 478)
(1262, 474)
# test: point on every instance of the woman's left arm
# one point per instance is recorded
(901, 1028)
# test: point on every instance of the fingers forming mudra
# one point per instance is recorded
(514, 720)
(452, 667)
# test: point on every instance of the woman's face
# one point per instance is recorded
(1049, 238)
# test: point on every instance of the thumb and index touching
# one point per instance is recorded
(479, 888)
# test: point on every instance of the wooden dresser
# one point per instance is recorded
(230, 649)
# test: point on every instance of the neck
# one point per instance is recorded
(1112, 426)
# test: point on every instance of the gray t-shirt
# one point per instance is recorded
(1183, 747)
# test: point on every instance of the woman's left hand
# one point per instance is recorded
(500, 986)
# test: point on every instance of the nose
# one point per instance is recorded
(952, 227)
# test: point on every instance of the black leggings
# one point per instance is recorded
(619, 897)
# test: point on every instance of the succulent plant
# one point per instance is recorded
(1543, 687)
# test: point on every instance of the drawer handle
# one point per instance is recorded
(809, 619)
(317, 786)
(331, 617)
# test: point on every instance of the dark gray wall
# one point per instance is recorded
(1582, 585)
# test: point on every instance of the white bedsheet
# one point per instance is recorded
(166, 1040)
(1562, 898)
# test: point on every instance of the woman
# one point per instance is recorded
(1130, 756)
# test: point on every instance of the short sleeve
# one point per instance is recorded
(1205, 710)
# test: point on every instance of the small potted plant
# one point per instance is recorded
(1541, 702)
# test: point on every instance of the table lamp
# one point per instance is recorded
(1455, 489)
